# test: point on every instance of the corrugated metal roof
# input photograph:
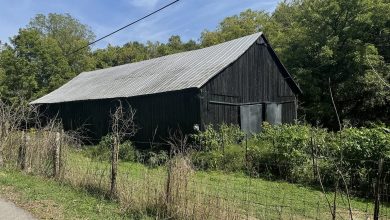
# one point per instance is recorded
(179, 71)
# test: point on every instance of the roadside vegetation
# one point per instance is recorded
(337, 43)
(49, 199)
(285, 170)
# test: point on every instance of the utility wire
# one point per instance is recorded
(136, 21)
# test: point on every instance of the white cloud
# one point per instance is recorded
(144, 3)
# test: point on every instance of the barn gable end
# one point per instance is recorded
(255, 78)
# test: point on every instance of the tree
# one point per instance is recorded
(32, 67)
(39, 59)
(70, 35)
(247, 22)
(345, 41)
(134, 51)
(333, 39)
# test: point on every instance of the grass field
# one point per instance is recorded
(143, 192)
(48, 199)
(218, 193)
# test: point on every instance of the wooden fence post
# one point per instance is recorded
(22, 158)
(114, 165)
(56, 158)
(313, 155)
(168, 190)
(378, 187)
(60, 153)
(2, 136)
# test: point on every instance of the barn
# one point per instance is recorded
(241, 82)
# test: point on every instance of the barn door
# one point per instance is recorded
(251, 117)
(273, 114)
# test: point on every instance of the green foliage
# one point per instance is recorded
(217, 137)
(38, 60)
(219, 148)
(70, 35)
(318, 40)
(127, 152)
(247, 22)
(134, 51)
(33, 67)
(231, 159)
(102, 151)
(287, 152)
(336, 40)
(157, 159)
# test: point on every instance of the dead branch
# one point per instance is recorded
(122, 126)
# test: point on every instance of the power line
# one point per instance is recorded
(136, 21)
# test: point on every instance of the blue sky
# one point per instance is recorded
(187, 18)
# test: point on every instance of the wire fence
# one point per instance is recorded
(179, 189)
(182, 191)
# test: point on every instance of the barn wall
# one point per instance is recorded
(254, 78)
(164, 112)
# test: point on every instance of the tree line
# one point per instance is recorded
(342, 45)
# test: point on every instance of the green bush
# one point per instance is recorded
(288, 151)
(102, 151)
(157, 159)
(281, 151)
(231, 159)
(217, 137)
(127, 152)
(220, 148)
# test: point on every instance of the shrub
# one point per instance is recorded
(280, 151)
(127, 152)
(157, 159)
(231, 159)
(219, 148)
(102, 151)
(217, 137)
(207, 160)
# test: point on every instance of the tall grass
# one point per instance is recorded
(39, 151)
(176, 190)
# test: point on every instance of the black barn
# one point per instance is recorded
(237, 82)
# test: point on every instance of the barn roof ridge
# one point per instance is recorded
(184, 70)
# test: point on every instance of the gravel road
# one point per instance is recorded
(9, 210)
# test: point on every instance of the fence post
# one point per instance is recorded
(2, 136)
(168, 191)
(22, 159)
(56, 155)
(313, 155)
(246, 152)
(378, 187)
(60, 154)
(114, 165)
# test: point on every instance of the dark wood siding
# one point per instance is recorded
(255, 77)
(164, 112)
